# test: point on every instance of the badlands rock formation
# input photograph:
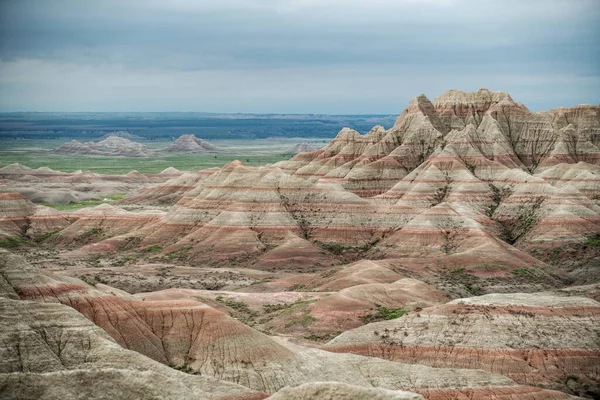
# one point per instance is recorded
(301, 148)
(113, 145)
(121, 134)
(191, 144)
(192, 336)
(532, 338)
(46, 186)
(338, 265)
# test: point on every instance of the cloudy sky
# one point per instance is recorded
(295, 56)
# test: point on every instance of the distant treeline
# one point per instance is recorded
(168, 125)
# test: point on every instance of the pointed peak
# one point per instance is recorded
(232, 165)
(346, 133)
(420, 100)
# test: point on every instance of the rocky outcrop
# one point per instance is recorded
(192, 336)
(51, 351)
(169, 192)
(479, 128)
(191, 144)
(536, 339)
(340, 391)
(111, 146)
(121, 134)
(360, 304)
(15, 211)
(301, 148)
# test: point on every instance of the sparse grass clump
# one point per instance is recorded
(234, 305)
(152, 249)
(522, 272)
(87, 203)
(384, 314)
(176, 254)
(183, 368)
(13, 241)
(304, 321)
(593, 240)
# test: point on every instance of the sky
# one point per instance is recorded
(293, 56)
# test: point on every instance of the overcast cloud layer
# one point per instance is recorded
(296, 56)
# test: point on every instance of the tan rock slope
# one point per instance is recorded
(191, 144)
(121, 134)
(536, 339)
(50, 351)
(470, 197)
(340, 391)
(194, 337)
(301, 148)
(113, 145)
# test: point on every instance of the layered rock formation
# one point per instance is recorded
(113, 145)
(532, 338)
(191, 144)
(15, 211)
(51, 351)
(488, 129)
(195, 337)
(301, 148)
(121, 134)
(466, 195)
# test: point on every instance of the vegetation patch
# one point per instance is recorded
(526, 220)
(384, 314)
(13, 241)
(269, 308)
(522, 272)
(304, 321)
(89, 235)
(487, 267)
(86, 203)
(498, 195)
(234, 305)
(152, 249)
(183, 368)
(592, 240)
(176, 254)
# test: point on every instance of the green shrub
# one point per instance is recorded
(384, 314)
(521, 272)
(13, 241)
(152, 249)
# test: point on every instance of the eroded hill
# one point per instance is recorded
(454, 255)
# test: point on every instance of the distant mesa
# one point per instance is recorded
(191, 144)
(111, 146)
(302, 148)
(121, 134)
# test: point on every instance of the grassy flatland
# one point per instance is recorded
(35, 153)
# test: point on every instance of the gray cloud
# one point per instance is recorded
(293, 55)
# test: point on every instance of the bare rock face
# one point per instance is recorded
(466, 195)
(169, 192)
(191, 144)
(42, 338)
(340, 391)
(15, 211)
(495, 130)
(532, 338)
(353, 306)
(50, 351)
